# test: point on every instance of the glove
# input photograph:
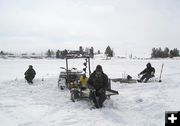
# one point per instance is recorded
(101, 91)
(90, 87)
(152, 73)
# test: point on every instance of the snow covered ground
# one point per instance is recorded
(43, 104)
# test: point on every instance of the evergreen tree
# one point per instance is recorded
(58, 54)
(153, 54)
(48, 53)
(160, 52)
(109, 52)
(174, 53)
(2, 53)
(64, 53)
(166, 52)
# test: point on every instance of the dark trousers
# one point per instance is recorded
(146, 77)
(97, 98)
(29, 79)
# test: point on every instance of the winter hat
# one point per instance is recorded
(148, 65)
(99, 68)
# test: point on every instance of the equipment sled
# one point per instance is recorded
(130, 80)
(124, 80)
(77, 93)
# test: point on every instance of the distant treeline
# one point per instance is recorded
(159, 53)
(81, 52)
(76, 53)
(71, 53)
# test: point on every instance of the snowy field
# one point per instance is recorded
(43, 104)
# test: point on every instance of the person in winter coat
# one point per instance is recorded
(98, 84)
(147, 73)
(30, 74)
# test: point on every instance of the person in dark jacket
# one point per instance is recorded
(98, 84)
(147, 73)
(30, 74)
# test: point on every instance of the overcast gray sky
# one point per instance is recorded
(128, 26)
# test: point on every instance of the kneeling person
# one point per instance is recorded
(30, 74)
